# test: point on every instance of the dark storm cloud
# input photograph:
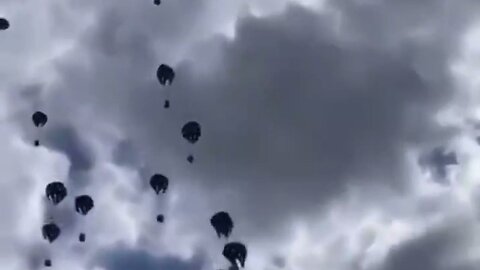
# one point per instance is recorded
(125, 153)
(437, 249)
(291, 115)
(66, 139)
(124, 258)
(279, 261)
(438, 161)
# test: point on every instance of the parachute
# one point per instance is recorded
(165, 75)
(4, 24)
(159, 183)
(39, 120)
(222, 223)
(191, 132)
(50, 232)
(157, 2)
(56, 192)
(83, 204)
(160, 218)
(235, 251)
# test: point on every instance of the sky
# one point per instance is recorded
(325, 130)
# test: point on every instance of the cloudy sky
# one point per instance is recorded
(319, 124)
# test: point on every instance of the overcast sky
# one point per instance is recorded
(320, 121)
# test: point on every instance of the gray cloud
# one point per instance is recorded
(294, 111)
(437, 249)
(124, 258)
(437, 161)
(289, 110)
(66, 139)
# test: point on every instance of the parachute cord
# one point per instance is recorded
(37, 136)
(167, 102)
(48, 256)
(167, 92)
(82, 228)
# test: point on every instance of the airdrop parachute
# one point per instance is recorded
(4, 24)
(165, 76)
(83, 205)
(50, 232)
(56, 192)
(159, 182)
(191, 132)
(222, 223)
(235, 252)
(39, 119)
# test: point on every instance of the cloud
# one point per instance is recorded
(439, 248)
(122, 258)
(303, 119)
(303, 112)
(66, 139)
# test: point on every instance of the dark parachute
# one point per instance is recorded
(223, 224)
(159, 183)
(160, 218)
(235, 251)
(39, 120)
(157, 2)
(50, 232)
(191, 132)
(4, 24)
(56, 192)
(83, 204)
(165, 74)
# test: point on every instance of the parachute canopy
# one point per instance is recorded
(191, 131)
(159, 183)
(235, 251)
(165, 74)
(39, 119)
(223, 224)
(160, 218)
(83, 204)
(4, 24)
(56, 192)
(50, 231)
